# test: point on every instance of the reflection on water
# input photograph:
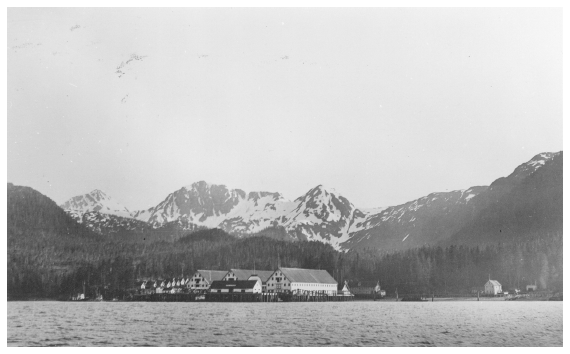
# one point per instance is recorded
(501, 323)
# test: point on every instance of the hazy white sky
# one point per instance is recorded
(384, 105)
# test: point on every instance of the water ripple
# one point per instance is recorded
(285, 324)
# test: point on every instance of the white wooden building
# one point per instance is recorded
(202, 279)
(298, 280)
(493, 287)
(249, 274)
(236, 286)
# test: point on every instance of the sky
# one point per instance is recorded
(385, 105)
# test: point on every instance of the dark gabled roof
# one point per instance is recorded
(362, 283)
(213, 275)
(238, 284)
(300, 275)
(244, 274)
(494, 282)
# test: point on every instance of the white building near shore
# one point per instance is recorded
(302, 281)
(493, 287)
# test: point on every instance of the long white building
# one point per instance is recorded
(298, 280)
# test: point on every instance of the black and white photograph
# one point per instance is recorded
(284, 176)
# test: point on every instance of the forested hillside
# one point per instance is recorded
(52, 256)
(519, 207)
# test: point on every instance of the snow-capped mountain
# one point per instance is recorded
(321, 214)
(426, 220)
(440, 217)
(523, 205)
(95, 201)
(200, 204)
(528, 168)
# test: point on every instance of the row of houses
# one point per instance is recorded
(281, 280)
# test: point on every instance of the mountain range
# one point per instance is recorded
(525, 203)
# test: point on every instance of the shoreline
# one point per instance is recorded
(435, 299)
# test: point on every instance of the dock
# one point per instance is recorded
(237, 297)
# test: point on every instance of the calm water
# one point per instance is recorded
(502, 323)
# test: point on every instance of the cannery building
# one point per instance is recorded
(236, 286)
(248, 274)
(298, 280)
(202, 279)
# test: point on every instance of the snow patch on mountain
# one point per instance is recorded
(321, 214)
(95, 201)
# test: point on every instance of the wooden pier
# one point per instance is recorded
(238, 297)
(165, 297)
(315, 298)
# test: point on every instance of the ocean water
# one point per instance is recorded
(472, 323)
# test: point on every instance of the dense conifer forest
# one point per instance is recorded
(45, 267)
(52, 256)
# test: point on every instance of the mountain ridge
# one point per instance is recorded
(320, 214)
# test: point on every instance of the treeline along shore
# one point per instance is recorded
(50, 256)
(48, 267)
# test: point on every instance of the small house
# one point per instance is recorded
(148, 287)
(139, 285)
(345, 290)
(493, 287)
(364, 287)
